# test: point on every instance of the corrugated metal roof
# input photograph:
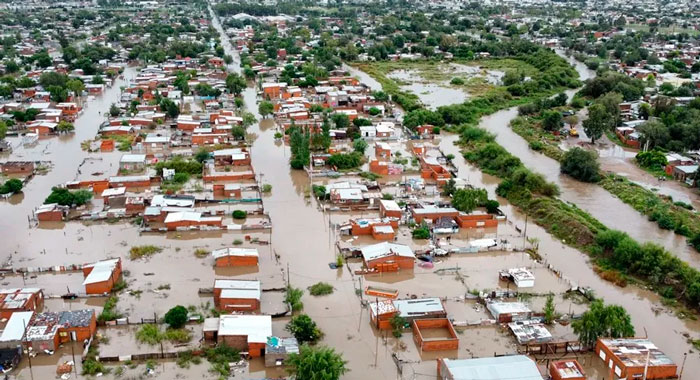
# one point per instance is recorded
(498, 368)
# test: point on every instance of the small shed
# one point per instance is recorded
(505, 312)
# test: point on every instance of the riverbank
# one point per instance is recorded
(661, 209)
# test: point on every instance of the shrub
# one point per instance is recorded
(239, 214)
(176, 317)
(320, 289)
(140, 251)
(421, 232)
(12, 185)
(266, 188)
(581, 164)
(304, 329)
(457, 81)
(109, 312)
(149, 334)
(293, 298)
(199, 252)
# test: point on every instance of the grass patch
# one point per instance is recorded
(201, 253)
(109, 311)
(141, 251)
(152, 334)
(320, 289)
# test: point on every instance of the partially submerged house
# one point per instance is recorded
(567, 369)
(20, 300)
(235, 257)
(277, 350)
(497, 368)
(388, 257)
(246, 333)
(237, 295)
(631, 358)
(505, 312)
(46, 331)
(381, 312)
(100, 277)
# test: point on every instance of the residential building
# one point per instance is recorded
(247, 333)
(235, 257)
(100, 277)
(237, 295)
(497, 368)
(388, 257)
(630, 358)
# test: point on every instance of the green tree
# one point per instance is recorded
(75, 86)
(265, 108)
(248, 119)
(655, 133)
(176, 317)
(114, 111)
(468, 199)
(549, 311)
(359, 145)
(551, 120)
(341, 120)
(3, 129)
(603, 321)
(235, 83)
(64, 126)
(304, 329)
(581, 164)
(316, 363)
(597, 122)
(202, 155)
(13, 186)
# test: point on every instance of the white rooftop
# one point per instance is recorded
(256, 327)
(384, 249)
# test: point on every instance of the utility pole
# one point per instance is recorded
(288, 285)
(680, 375)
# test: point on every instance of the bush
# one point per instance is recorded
(304, 329)
(149, 334)
(140, 251)
(345, 161)
(109, 312)
(421, 232)
(293, 298)
(64, 197)
(12, 185)
(457, 81)
(266, 188)
(581, 164)
(320, 289)
(176, 317)
(239, 214)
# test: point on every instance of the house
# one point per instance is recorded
(382, 150)
(567, 369)
(237, 295)
(246, 333)
(18, 300)
(132, 162)
(530, 332)
(277, 350)
(630, 358)
(52, 212)
(233, 156)
(235, 257)
(381, 312)
(476, 219)
(190, 219)
(228, 190)
(130, 182)
(42, 128)
(522, 277)
(505, 312)
(432, 169)
(497, 368)
(46, 331)
(432, 213)
(389, 208)
(684, 173)
(388, 257)
(100, 277)
(13, 333)
(22, 168)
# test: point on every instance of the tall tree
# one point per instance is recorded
(235, 83)
(597, 122)
(602, 320)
